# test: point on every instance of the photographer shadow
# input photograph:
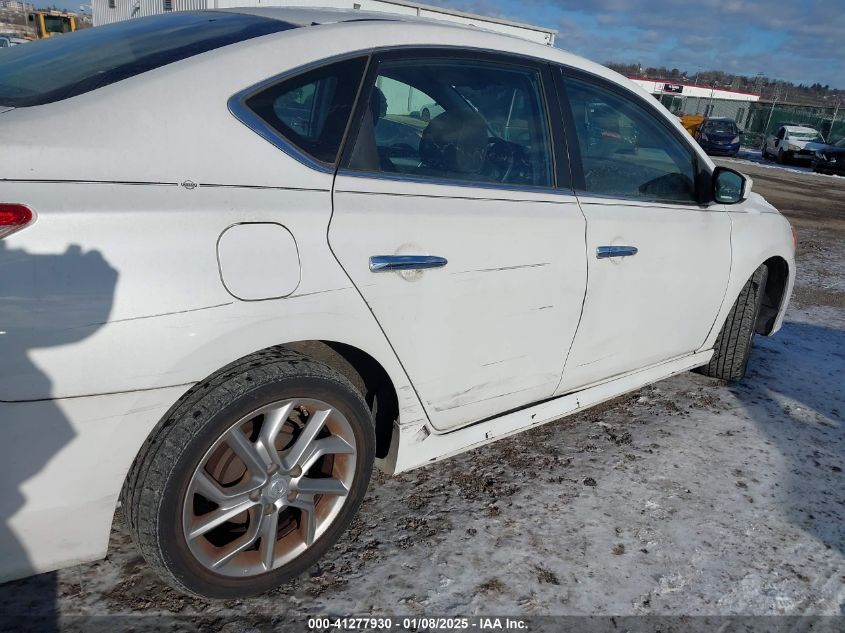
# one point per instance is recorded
(47, 301)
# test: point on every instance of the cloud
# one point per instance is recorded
(800, 42)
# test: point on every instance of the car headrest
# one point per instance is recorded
(378, 104)
(456, 141)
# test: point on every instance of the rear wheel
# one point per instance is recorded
(733, 345)
(253, 477)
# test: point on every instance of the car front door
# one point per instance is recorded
(658, 260)
(461, 231)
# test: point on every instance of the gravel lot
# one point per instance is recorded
(689, 497)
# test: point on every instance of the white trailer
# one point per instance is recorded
(108, 11)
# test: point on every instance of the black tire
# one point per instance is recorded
(764, 152)
(733, 345)
(781, 157)
(156, 484)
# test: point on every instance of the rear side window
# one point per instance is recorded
(458, 120)
(311, 110)
(74, 63)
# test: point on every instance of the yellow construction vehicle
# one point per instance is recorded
(691, 122)
(48, 23)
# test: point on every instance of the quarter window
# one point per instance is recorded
(455, 119)
(311, 110)
(625, 150)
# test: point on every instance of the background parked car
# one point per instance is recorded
(830, 159)
(718, 135)
(8, 40)
(790, 142)
(430, 110)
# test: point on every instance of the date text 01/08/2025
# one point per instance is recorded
(416, 623)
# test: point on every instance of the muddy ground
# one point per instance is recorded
(689, 497)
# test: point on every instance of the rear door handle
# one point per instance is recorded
(382, 263)
(603, 252)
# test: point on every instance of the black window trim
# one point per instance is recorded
(703, 176)
(237, 106)
(559, 166)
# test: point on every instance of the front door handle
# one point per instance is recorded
(382, 263)
(603, 252)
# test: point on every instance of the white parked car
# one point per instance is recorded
(228, 289)
(792, 142)
(8, 40)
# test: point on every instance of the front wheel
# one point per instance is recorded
(733, 345)
(253, 476)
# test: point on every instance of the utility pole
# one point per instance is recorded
(833, 120)
(758, 84)
(709, 103)
(769, 120)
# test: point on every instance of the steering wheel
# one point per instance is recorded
(500, 159)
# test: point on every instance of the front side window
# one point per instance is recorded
(458, 120)
(311, 110)
(625, 149)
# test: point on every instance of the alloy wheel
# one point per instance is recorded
(269, 487)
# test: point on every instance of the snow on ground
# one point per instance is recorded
(688, 497)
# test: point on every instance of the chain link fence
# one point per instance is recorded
(758, 118)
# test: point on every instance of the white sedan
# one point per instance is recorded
(246, 273)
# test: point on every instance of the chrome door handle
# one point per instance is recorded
(381, 263)
(603, 252)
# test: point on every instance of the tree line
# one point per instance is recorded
(769, 89)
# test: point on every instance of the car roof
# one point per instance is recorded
(307, 16)
(799, 128)
(312, 16)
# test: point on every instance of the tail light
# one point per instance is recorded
(14, 217)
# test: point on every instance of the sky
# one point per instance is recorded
(802, 41)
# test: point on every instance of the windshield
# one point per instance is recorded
(725, 127)
(809, 135)
(74, 63)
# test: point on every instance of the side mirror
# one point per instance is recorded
(729, 186)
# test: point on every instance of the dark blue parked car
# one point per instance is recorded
(718, 135)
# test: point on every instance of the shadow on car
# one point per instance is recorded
(38, 292)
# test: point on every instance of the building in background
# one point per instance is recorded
(16, 5)
(108, 11)
(660, 87)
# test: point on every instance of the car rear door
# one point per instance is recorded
(461, 232)
(658, 261)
